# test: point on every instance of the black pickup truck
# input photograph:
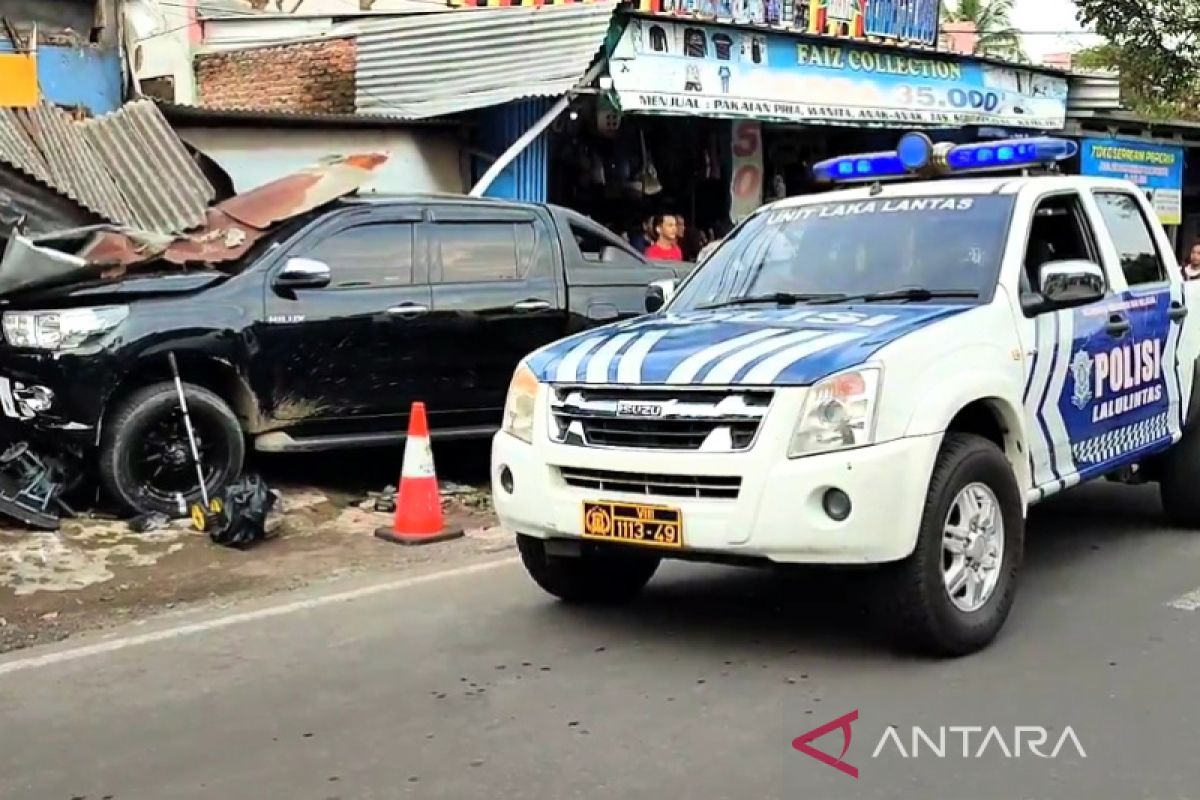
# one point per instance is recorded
(323, 337)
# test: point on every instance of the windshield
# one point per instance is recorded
(945, 244)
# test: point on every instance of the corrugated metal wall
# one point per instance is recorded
(526, 177)
(429, 65)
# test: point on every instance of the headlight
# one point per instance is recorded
(839, 412)
(60, 330)
(518, 407)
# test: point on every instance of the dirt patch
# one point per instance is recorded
(97, 573)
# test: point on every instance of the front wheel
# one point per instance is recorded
(954, 593)
(603, 576)
(146, 462)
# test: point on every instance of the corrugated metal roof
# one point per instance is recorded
(128, 166)
(161, 184)
(183, 115)
(1093, 92)
(434, 64)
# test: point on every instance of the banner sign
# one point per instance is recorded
(1156, 169)
(682, 68)
(746, 185)
(908, 21)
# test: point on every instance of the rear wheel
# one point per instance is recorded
(599, 576)
(954, 593)
(146, 462)
(1177, 483)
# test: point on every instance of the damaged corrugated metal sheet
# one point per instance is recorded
(429, 65)
(129, 167)
(161, 184)
(232, 226)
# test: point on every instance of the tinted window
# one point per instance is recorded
(1059, 232)
(591, 244)
(949, 243)
(370, 255)
(476, 252)
(1131, 235)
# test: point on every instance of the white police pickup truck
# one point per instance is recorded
(886, 374)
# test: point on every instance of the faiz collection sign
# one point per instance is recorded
(683, 68)
(1156, 169)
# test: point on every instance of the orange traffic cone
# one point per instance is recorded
(419, 517)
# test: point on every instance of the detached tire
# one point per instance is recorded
(145, 459)
(599, 577)
(1177, 482)
(952, 596)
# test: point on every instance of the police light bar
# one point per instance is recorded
(916, 156)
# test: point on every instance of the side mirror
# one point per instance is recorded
(658, 293)
(303, 273)
(1065, 284)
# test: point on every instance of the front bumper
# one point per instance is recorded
(777, 513)
(62, 395)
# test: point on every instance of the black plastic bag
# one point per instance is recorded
(245, 505)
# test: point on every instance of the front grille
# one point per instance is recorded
(705, 420)
(717, 487)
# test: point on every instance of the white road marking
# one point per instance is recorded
(1187, 602)
(125, 642)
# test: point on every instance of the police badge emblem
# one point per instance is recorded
(1081, 374)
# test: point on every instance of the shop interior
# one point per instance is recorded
(621, 170)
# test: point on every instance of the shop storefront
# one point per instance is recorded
(710, 121)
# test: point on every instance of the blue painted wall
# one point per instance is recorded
(526, 177)
(79, 76)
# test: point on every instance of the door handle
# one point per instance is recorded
(1117, 326)
(531, 305)
(408, 310)
(1177, 311)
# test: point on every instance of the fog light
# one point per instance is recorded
(506, 479)
(33, 399)
(836, 504)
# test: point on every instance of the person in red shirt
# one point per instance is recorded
(666, 241)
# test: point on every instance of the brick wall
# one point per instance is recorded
(312, 77)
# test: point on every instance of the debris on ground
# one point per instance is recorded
(242, 518)
(98, 572)
(385, 501)
(31, 487)
(147, 523)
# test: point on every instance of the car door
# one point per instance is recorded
(607, 279)
(497, 296)
(354, 352)
(1142, 386)
(1060, 345)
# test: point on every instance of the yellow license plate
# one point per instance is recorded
(635, 523)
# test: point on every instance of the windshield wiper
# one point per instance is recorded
(912, 294)
(775, 298)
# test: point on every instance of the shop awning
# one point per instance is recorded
(431, 65)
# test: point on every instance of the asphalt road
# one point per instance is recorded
(474, 685)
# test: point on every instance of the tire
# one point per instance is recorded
(1177, 481)
(124, 469)
(925, 616)
(593, 577)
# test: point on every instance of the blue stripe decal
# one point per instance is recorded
(1045, 393)
(1032, 367)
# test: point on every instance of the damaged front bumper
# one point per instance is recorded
(59, 395)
